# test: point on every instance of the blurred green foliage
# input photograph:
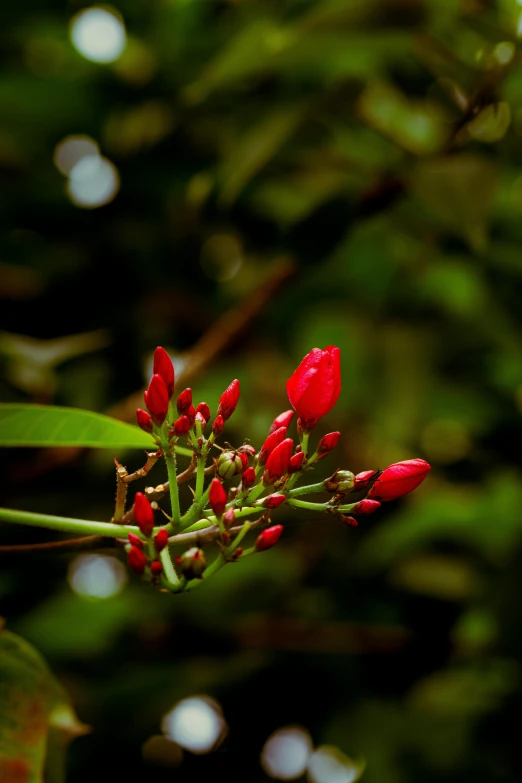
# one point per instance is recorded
(377, 144)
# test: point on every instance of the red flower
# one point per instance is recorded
(278, 461)
(217, 497)
(229, 400)
(270, 443)
(136, 560)
(268, 538)
(273, 501)
(365, 507)
(163, 366)
(283, 420)
(157, 399)
(313, 389)
(363, 479)
(184, 401)
(327, 443)
(399, 479)
(144, 420)
(143, 514)
(161, 539)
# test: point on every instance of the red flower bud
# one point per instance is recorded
(278, 461)
(327, 443)
(229, 400)
(184, 401)
(283, 420)
(144, 420)
(136, 560)
(143, 514)
(204, 410)
(217, 497)
(350, 521)
(199, 417)
(365, 507)
(156, 568)
(296, 462)
(135, 541)
(270, 443)
(244, 460)
(218, 426)
(161, 539)
(229, 517)
(191, 414)
(157, 399)
(314, 387)
(399, 479)
(363, 479)
(163, 366)
(273, 501)
(192, 563)
(181, 427)
(246, 448)
(268, 538)
(248, 478)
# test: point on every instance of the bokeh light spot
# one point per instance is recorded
(285, 753)
(97, 576)
(196, 724)
(328, 765)
(71, 149)
(93, 182)
(98, 34)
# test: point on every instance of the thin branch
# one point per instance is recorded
(68, 545)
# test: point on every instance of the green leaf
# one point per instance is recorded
(32, 703)
(46, 425)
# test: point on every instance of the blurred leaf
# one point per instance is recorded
(459, 190)
(46, 425)
(449, 578)
(31, 703)
(491, 124)
(257, 147)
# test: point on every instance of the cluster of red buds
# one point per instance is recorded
(241, 487)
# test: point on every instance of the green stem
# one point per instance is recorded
(304, 441)
(170, 458)
(200, 475)
(308, 505)
(212, 520)
(307, 490)
(256, 491)
(168, 567)
(240, 536)
(85, 527)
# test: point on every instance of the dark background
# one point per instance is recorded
(317, 173)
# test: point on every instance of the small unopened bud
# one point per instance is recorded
(365, 507)
(268, 538)
(273, 501)
(341, 481)
(351, 521)
(157, 399)
(296, 462)
(192, 563)
(228, 400)
(204, 410)
(143, 514)
(363, 479)
(244, 460)
(184, 401)
(156, 568)
(181, 427)
(218, 426)
(283, 420)
(229, 517)
(246, 448)
(237, 552)
(163, 366)
(161, 539)
(199, 417)
(270, 443)
(217, 497)
(191, 413)
(278, 461)
(248, 478)
(144, 420)
(136, 560)
(136, 541)
(229, 464)
(327, 443)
